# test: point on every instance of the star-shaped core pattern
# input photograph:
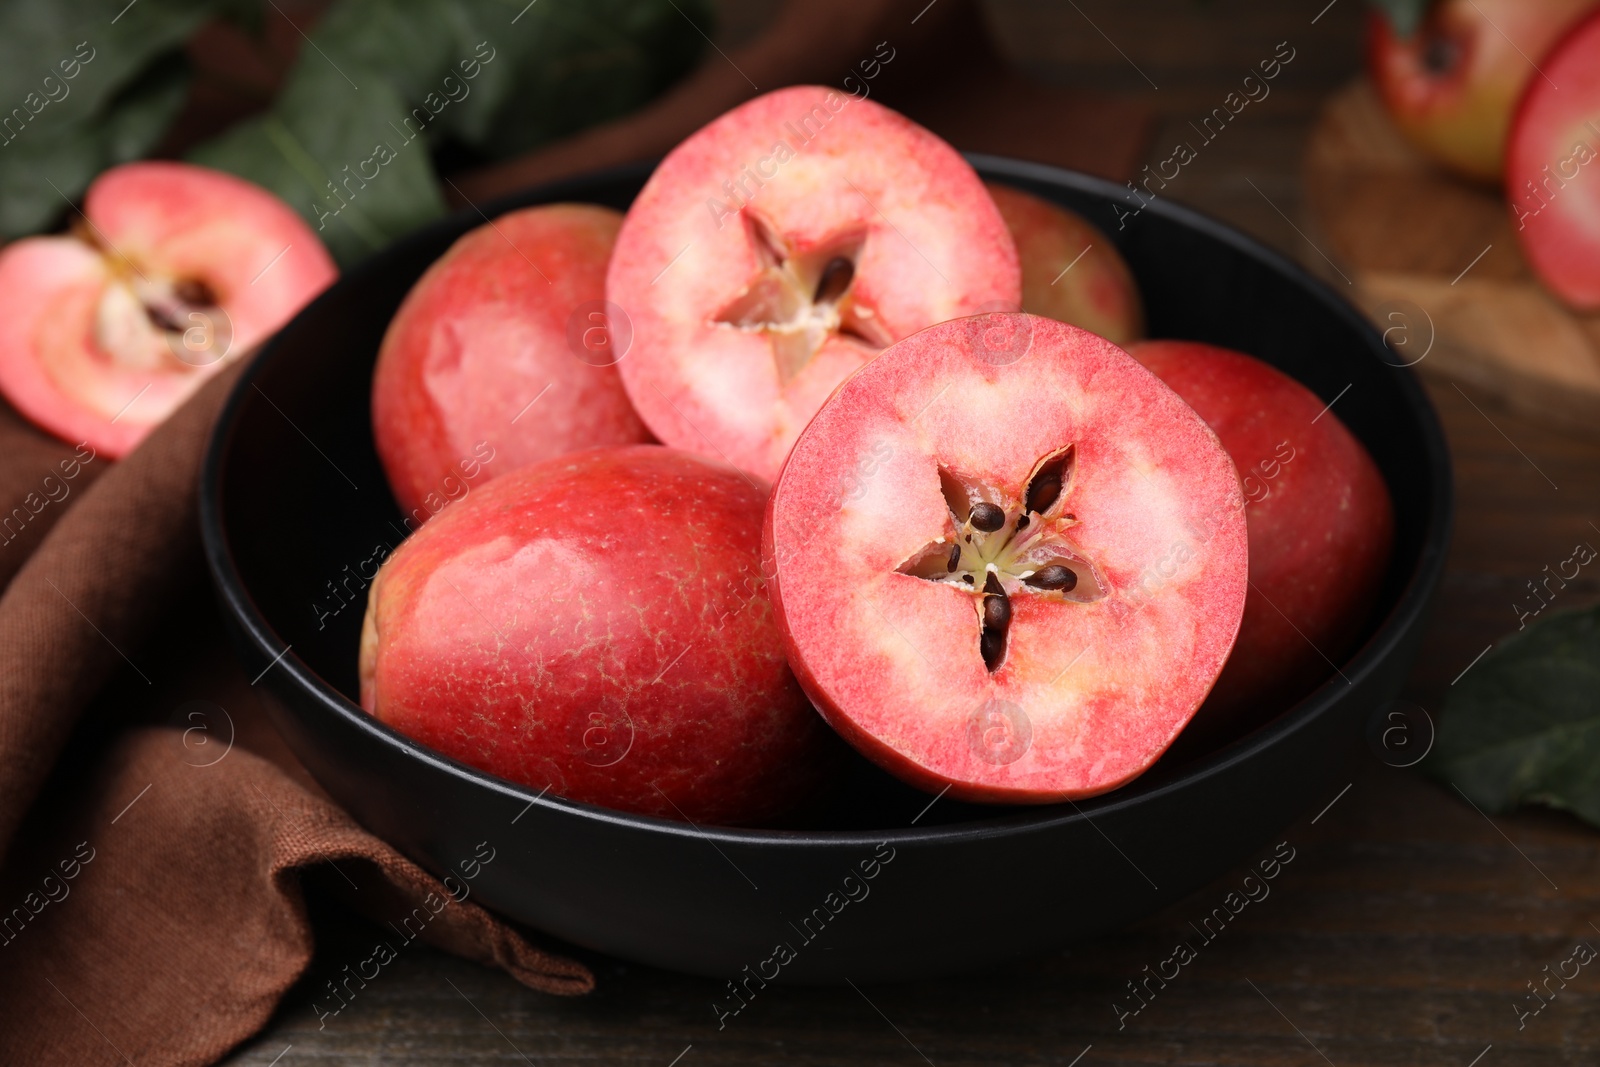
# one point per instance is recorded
(800, 297)
(1001, 544)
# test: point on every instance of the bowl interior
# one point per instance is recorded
(297, 509)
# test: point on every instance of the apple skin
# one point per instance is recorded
(79, 355)
(1091, 688)
(1098, 292)
(816, 172)
(1320, 520)
(1451, 87)
(512, 312)
(597, 624)
(1553, 170)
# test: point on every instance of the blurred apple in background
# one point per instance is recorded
(1450, 72)
(1071, 271)
(1552, 184)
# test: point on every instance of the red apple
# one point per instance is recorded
(171, 271)
(505, 349)
(1552, 177)
(597, 624)
(1452, 85)
(1007, 560)
(1070, 270)
(1320, 520)
(782, 246)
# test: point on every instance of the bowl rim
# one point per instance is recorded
(1390, 630)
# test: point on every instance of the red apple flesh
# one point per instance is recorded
(170, 272)
(778, 249)
(1320, 520)
(504, 348)
(1552, 173)
(597, 624)
(1452, 85)
(1071, 271)
(1008, 560)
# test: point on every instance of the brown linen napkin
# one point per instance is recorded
(153, 914)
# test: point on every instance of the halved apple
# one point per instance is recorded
(169, 272)
(778, 249)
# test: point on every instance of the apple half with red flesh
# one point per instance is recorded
(782, 246)
(504, 348)
(1320, 520)
(1071, 271)
(1452, 85)
(1553, 169)
(1007, 560)
(170, 272)
(597, 625)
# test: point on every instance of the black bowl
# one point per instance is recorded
(294, 505)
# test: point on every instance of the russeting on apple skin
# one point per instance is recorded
(598, 625)
(1320, 520)
(778, 249)
(1008, 560)
(170, 272)
(503, 349)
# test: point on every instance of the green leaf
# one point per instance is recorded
(1404, 15)
(1523, 726)
(351, 141)
(79, 94)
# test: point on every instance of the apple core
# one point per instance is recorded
(1008, 560)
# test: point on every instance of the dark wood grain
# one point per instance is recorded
(1407, 924)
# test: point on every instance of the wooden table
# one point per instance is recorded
(1407, 926)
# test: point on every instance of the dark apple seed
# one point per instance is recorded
(836, 278)
(996, 618)
(1022, 522)
(955, 558)
(992, 645)
(1054, 576)
(195, 293)
(968, 579)
(986, 517)
(1044, 488)
(996, 612)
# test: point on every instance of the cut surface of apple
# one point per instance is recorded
(1553, 169)
(503, 354)
(168, 273)
(1008, 560)
(782, 246)
(1320, 520)
(1070, 270)
(597, 625)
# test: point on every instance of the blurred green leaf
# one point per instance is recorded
(1523, 726)
(374, 75)
(127, 83)
(350, 143)
(1404, 15)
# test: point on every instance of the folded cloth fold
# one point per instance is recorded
(153, 912)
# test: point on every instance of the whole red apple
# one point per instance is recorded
(1071, 271)
(503, 354)
(170, 272)
(1452, 85)
(1320, 520)
(1008, 560)
(778, 249)
(597, 625)
(1552, 177)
